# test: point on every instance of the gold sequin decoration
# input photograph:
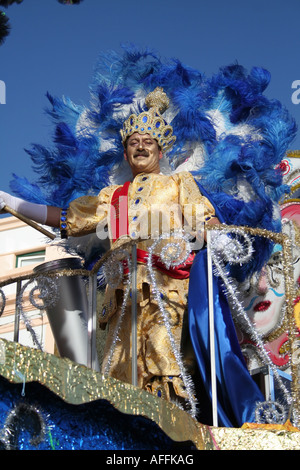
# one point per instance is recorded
(254, 439)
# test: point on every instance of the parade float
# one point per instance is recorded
(235, 141)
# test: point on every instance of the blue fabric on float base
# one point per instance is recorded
(43, 421)
(237, 393)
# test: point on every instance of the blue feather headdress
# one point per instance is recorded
(229, 135)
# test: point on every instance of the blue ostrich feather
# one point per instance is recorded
(63, 109)
(109, 99)
(29, 191)
(243, 90)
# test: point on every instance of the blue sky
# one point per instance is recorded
(54, 47)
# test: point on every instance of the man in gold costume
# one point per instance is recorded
(144, 137)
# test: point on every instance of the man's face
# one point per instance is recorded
(142, 154)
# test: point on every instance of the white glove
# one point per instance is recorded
(36, 212)
(2, 204)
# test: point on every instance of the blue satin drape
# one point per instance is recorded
(237, 393)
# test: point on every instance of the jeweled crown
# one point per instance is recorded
(151, 122)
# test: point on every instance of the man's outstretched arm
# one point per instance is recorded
(40, 213)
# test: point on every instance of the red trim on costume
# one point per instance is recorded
(182, 271)
(119, 205)
(120, 226)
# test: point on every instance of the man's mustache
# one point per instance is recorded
(142, 152)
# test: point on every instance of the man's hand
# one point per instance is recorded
(36, 212)
(211, 221)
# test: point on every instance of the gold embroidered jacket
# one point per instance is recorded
(172, 197)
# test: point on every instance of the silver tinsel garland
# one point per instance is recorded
(19, 302)
(226, 249)
(172, 254)
(116, 260)
(23, 417)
